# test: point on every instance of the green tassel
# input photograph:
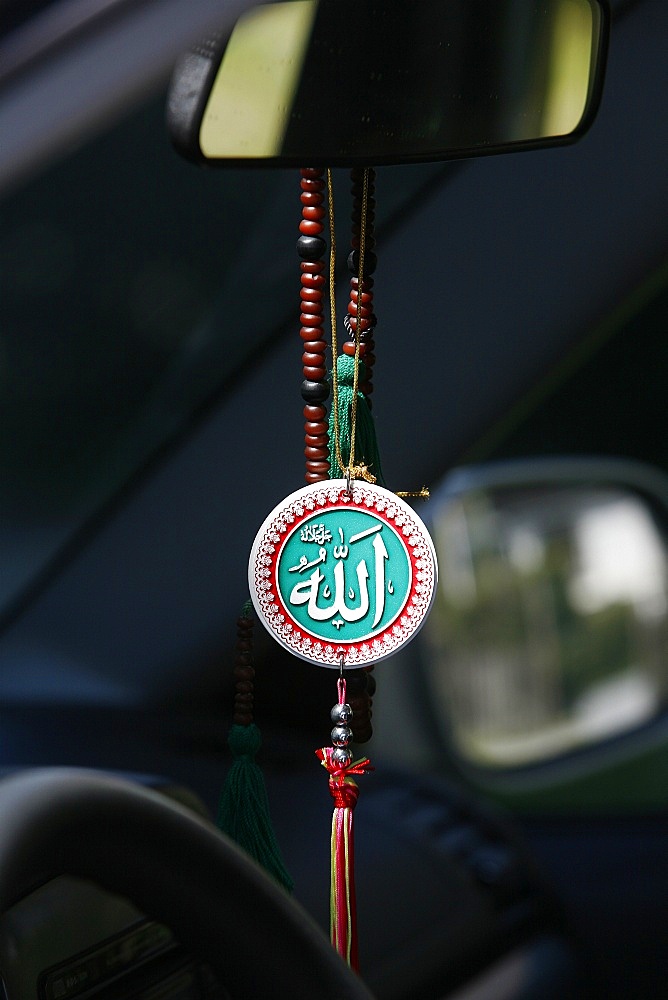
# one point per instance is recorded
(366, 446)
(243, 813)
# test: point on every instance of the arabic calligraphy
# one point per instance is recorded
(350, 588)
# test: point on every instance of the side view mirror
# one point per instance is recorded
(549, 629)
(371, 82)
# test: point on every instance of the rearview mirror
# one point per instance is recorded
(352, 82)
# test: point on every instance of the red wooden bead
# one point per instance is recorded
(363, 310)
(365, 324)
(366, 296)
(313, 280)
(310, 295)
(311, 172)
(311, 198)
(311, 334)
(311, 319)
(309, 228)
(320, 467)
(315, 360)
(316, 441)
(315, 346)
(314, 412)
(312, 266)
(367, 282)
(313, 212)
(349, 349)
(315, 454)
(315, 374)
(316, 427)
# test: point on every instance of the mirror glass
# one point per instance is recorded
(339, 81)
(550, 627)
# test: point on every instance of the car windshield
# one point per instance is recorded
(128, 307)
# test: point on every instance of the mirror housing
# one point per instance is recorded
(548, 631)
(373, 82)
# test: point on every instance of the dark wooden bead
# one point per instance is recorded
(322, 441)
(370, 684)
(312, 173)
(362, 735)
(242, 718)
(359, 201)
(243, 687)
(369, 357)
(317, 466)
(245, 622)
(315, 374)
(309, 227)
(311, 247)
(313, 213)
(316, 426)
(312, 266)
(243, 701)
(366, 388)
(244, 673)
(315, 392)
(317, 477)
(316, 454)
(356, 681)
(314, 412)
(370, 261)
(366, 336)
(244, 644)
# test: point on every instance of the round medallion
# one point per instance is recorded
(334, 573)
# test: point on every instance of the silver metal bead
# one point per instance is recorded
(342, 756)
(341, 715)
(341, 736)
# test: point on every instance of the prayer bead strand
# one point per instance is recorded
(311, 247)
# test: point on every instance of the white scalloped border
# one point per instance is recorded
(316, 497)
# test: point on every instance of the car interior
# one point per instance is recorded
(512, 840)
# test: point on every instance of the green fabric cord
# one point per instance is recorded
(243, 813)
(366, 446)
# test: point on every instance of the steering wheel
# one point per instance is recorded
(176, 868)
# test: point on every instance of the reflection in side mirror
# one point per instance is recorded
(346, 82)
(550, 628)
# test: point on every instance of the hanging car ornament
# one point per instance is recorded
(342, 572)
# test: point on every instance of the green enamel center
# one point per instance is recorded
(344, 575)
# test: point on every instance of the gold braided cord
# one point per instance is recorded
(358, 323)
(332, 315)
(351, 470)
